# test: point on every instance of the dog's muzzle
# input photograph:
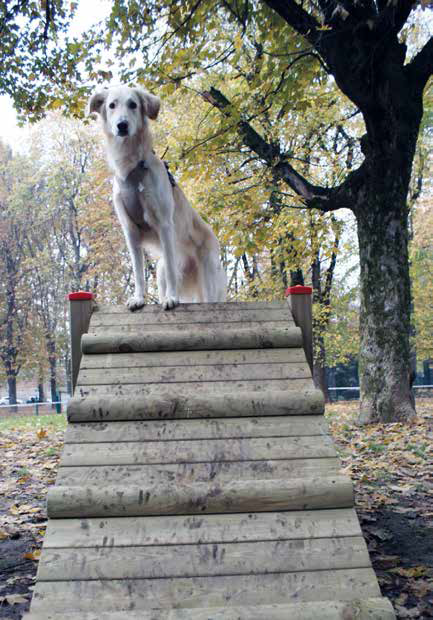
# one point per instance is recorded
(122, 128)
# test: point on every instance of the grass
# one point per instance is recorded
(55, 421)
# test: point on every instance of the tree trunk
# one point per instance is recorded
(385, 310)
(41, 391)
(41, 394)
(12, 390)
(319, 364)
(68, 373)
(52, 359)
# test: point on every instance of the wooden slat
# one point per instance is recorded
(172, 404)
(365, 609)
(184, 530)
(271, 426)
(192, 358)
(184, 389)
(198, 451)
(189, 338)
(137, 475)
(184, 374)
(118, 595)
(203, 560)
(198, 498)
(182, 329)
(202, 316)
(246, 306)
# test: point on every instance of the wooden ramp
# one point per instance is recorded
(198, 480)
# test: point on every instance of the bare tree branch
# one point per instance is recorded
(314, 196)
(421, 67)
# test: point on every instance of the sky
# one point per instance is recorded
(88, 13)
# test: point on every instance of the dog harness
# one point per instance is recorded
(130, 189)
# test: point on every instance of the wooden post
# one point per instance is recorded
(80, 311)
(299, 298)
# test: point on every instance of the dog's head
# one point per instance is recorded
(124, 110)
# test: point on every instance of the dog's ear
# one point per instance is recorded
(150, 103)
(96, 102)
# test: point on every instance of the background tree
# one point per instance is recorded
(267, 64)
(359, 46)
(15, 195)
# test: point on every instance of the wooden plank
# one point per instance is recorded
(121, 595)
(217, 428)
(187, 328)
(183, 390)
(220, 336)
(366, 609)
(173, 404)
(192, 358)
(198, 498)
(203, 560)
(184, 374)
(184, 530)
(193, 307)
(137, 475)
(197, 451)
(202, 316)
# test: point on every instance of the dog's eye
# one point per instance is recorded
(112, 105)
(132, 105)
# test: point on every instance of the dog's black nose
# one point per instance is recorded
(122, 128)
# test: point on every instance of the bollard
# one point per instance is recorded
(299, 299)
(80, 310)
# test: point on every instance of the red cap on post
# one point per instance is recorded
(298, 290)
(80, 296)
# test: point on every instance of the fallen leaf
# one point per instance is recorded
(415, 571)
(13, 599)
(386, 561)
(24, 509)
(379, 533)
(33, 555)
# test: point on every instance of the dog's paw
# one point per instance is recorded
(170, 302)
(134, 303)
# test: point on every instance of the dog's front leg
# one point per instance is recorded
(168, 243)
(136, 251)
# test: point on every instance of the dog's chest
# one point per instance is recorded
(135, 193)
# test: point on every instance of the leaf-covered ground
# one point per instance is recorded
(29, 449)
(391, 467)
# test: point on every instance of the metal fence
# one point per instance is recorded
(36, 408)
(352, 393)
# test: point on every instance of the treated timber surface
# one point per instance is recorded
(183, 389)
(194, 529)
(192, 358)
(189, 338)
(221, 591)
(198, 451)
(217, 471)
(197, 332)
(365, 609)
(198, 480)
(174, 430)
(190, 374)
(172, 404)
(180, 317)
(200, 497)
(204, 560)
(246, 306)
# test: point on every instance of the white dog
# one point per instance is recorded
(152, 209)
